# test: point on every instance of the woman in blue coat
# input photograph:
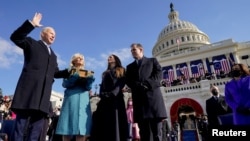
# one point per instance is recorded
(75, 117)
(237, 94)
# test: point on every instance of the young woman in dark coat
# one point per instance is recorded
(110, 119)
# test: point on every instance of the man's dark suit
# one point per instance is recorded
(214, 108)
(148, 103)
(32, 95)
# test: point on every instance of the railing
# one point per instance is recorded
(195, 88)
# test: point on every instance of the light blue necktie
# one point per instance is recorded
(49, 49)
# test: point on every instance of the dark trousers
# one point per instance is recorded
(28, 126)
(150, 130)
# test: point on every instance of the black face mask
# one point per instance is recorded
(235, 73)
(215, 92)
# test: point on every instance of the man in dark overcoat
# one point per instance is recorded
(216, 106)
(31, 101)
(144, 76)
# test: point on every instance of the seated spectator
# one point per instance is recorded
(214, 76)
(192, 80)
(207, 75)
(185, 80)
(222, 74)
(163, 83)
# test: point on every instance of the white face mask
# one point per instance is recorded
(58, 113)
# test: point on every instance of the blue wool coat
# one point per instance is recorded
(75, 116)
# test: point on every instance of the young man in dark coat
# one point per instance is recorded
(31, 99)
(144, 76)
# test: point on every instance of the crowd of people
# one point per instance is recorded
(6, 112)
(182, 80)
(143, 117)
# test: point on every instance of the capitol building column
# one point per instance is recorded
(189, 69)
(211, 63)
(229, 61)
(204, 65)
(236, 58)
(174, 69)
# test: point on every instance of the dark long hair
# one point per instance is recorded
(119, 69)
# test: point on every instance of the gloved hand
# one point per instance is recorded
(89, 82)
(243, 110)
(142, 85)
(106, 94)
(73, 77)
(71, 81)
(146, 85)
(90, 79)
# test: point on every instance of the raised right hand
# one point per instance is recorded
(36, 20)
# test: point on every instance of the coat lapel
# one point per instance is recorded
(143, 61)
(45, 47)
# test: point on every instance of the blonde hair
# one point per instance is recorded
(75, 56)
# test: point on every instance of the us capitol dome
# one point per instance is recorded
(176, 32)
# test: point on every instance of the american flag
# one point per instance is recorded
(221, 65)
(171, 75)
(179, 72)
(197, 71)
(201, 69)
(185, 71)
(182, 71)
(225, 65)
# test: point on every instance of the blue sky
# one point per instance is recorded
(97, 28)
